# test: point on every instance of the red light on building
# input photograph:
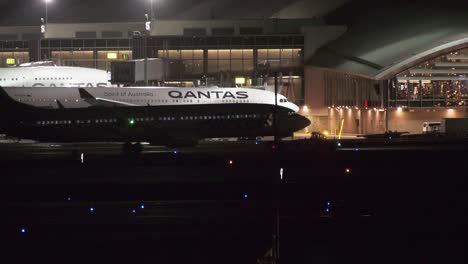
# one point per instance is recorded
(366, 103)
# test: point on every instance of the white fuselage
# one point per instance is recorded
(53, 76)
(145, 96)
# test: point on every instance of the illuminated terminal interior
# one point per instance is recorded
(427, 92)
(439, 82)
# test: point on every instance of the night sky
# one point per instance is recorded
(29, 12)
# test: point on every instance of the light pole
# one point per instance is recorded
(151, 10)
(46, 9)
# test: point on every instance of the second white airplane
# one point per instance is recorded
(53, 76)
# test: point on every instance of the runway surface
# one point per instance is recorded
(335, 202)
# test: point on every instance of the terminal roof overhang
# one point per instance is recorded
(393, 38)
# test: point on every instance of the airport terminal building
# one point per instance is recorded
(344, 74)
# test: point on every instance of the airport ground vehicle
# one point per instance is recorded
(431, 127)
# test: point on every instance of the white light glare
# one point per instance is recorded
(281, 173)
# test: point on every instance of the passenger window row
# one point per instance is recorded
(47, 100)
(150, 119)
(43, 79)
(52, 78)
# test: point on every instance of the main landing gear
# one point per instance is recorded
(132, 149)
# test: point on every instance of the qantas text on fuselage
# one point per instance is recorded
(208, 94)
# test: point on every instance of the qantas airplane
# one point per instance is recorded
(57, 97)
(181, 117)
(31, 75)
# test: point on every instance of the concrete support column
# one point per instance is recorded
(205, 61)
(95, 58)
(46, 54)
(314, 99)
(255, 67)
(34, 50)
(139, 47)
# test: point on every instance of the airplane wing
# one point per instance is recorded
(96, 101)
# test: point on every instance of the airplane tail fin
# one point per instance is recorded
(5, 98)
(8, 108)
(60, 105)
(11, 110)
(9, 105)
(86, 95)
(95, 101)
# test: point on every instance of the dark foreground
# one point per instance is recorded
(361, 202)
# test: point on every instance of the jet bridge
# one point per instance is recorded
(142, 70)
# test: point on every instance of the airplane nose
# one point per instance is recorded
(303, 122)
(294, 107)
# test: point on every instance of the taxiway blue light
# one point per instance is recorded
(338, 144)
(23, 230)
(246, 196)
(327, 210)
(357, 149)
(133, 211)
(176, 152)
(91, 209)
(142, 206)
(328, 203)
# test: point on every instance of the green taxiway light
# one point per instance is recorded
(131, 121)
